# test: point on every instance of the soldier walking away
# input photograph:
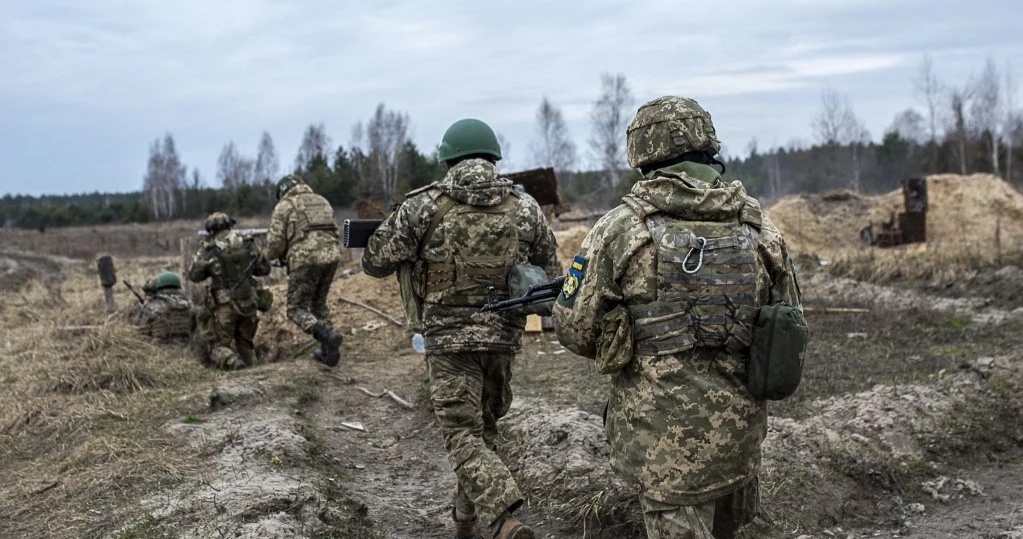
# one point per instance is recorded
(465, 233)
(664, 295)
(303, 237)
(229, 318)
(167, 315)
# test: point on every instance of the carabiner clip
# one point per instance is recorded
(699, 261)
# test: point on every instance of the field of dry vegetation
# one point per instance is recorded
(909, 421)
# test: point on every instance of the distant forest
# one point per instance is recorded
(972, 127)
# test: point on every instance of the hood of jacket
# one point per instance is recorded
(300, 189)
(475, 182)
(691, 191)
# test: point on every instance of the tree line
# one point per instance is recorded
(970, 127)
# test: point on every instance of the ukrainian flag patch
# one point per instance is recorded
(574, 277)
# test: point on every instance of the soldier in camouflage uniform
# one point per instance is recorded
(303, 237)
(230, 318)
(467, 231)
(663, 295)
(167, 315)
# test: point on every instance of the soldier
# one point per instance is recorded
(303, 237)
(466, 232)
(230, 261)
(663, 295)
(167, 315)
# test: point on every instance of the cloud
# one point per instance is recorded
(121, 72)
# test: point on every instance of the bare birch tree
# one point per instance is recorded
(233, 170)
(910, 125)
(958, 100)
(387, 133)
(267, 167)
(553, 146)
(1010, 119)
(609, 119)
(505, 164)
(164, 178)
(928, 88)
(986, 111)
(835, 125)
(315, 142)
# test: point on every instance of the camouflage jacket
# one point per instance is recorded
(286, 239)
(207, 265)
(400, 237)
(683, 426)
(168, 315)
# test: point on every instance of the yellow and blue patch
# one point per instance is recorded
(574, 278)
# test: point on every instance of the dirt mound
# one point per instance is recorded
(560, 455)
(18, 268)
(961, 209)
(569, 241)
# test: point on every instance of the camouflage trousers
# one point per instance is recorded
(470, 392)
(229, 335)
(715, 519)
(308, 287)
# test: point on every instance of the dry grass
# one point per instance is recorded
(84, 413)
(935, 263)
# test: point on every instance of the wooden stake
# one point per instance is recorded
(374, 310)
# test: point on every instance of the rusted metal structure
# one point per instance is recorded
(909, 226)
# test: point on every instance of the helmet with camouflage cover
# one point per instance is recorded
(286, 183)
(167, 279)
(218, 221)
(469, 137)
(668, 127)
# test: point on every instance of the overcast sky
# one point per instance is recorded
(86, 85)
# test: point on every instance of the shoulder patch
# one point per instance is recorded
(576, 272)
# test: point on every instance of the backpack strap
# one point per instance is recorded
(444, 205)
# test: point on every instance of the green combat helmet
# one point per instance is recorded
(468, 137)
(286, 183)
(218, 221)
(167, 279)
(668, 127)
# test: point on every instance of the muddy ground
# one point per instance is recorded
(908, 423)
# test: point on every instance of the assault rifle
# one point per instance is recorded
(537, 293)
(133, 291)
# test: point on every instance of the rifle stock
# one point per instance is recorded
(133, 291)
(356, 232)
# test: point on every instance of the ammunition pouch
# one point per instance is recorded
(264, 300)
(775, 365)
(520, 278)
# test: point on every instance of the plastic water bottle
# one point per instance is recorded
(418, 344)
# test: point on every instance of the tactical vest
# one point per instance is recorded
(313, 213)
(708, 287)
(230, 283)
(481, 245)
(175, 322)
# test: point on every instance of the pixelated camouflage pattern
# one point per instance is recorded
(167, 316)
(668, 127)
(716, 519)
(682, 426)
(229, 337)
(302, 230)
(237, 252)
(397, 241)
(229, 318)
(308, 286)
(470, 393)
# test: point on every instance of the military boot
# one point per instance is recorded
(508, 527)
(465, 529)
(329, 352)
